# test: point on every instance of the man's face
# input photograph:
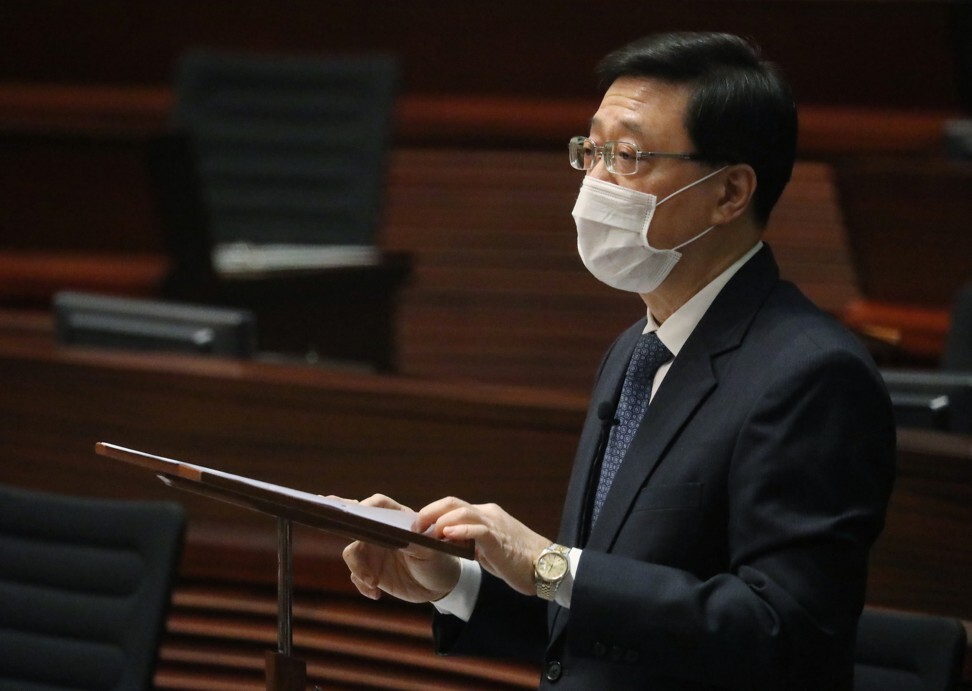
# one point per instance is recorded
(649, 114)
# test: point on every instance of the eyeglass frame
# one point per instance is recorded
(602, 151)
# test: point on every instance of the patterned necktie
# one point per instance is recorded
(649, 354)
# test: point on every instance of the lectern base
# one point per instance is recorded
(285, 673)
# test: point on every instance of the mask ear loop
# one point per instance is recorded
(691, 240)
(691, 184)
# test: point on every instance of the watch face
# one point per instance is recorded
(551, 566)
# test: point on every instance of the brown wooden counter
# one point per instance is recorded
(311, 428)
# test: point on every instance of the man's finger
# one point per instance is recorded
(430, 514)
(384, 502)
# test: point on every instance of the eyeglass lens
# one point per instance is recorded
(619, 158)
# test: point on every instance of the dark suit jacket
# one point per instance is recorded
(731, 552)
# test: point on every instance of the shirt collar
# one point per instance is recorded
(682, 322)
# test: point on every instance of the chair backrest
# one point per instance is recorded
(899, 651)
(84, 589)
(289, 149)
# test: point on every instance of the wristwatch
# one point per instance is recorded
(549, 569)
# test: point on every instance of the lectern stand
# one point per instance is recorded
(384, 527)
(284, 671)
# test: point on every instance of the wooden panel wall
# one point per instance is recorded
(222, 620)
(479, 192)
(895, 54)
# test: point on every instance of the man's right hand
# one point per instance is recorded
(412, 573)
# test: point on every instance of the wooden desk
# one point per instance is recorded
(923, 559)
(310, 428)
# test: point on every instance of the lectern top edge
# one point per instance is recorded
(379, 526)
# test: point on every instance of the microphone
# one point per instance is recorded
(605, 413)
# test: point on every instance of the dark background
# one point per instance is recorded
(876, 53)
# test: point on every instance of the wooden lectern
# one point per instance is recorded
(385, 527)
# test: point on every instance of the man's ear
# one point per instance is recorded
(737, 193)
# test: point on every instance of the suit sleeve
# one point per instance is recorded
(808, 480)
(504, 624)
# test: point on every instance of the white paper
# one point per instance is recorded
(397, 518)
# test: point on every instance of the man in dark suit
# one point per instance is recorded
(737, 458)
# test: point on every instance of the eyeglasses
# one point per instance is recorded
(620, 158)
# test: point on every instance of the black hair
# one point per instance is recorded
(741, 109)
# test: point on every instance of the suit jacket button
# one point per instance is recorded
(600, 650)
(631, 656)
(616, 653)
(554, 670)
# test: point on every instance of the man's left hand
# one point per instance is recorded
(504, 546)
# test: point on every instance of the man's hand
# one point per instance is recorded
(504, 546)
(413, 574)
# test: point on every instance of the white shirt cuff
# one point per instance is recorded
(462, 599)
(567, 585)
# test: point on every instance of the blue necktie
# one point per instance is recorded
(649, 354)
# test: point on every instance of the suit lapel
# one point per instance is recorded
(688, 383)
(607, 389)
(668, 413)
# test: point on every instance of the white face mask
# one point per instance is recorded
(612, 235)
